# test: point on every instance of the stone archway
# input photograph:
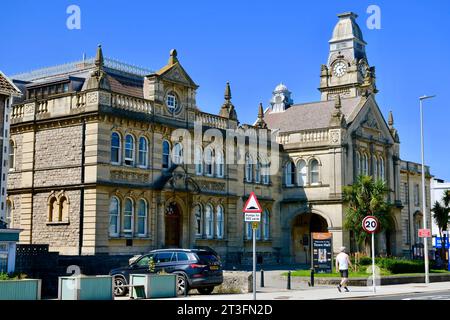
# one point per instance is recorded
(302, 226)
(173, 225)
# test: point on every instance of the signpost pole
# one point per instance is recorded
(373, 262)
(254, 263)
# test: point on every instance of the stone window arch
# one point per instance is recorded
(177, 153)
(63, 208)
(198, 160)
(114, 216)
(382, 169)
(143, 152)
(142, 218)
(198, 220)
(129, 150)
(219, 222)
(266, 224)
(9, 212)
(219, 161)
(358, 163)
(365, 164)
(209, 221)
(289, 173)
(165, 154)
(302, 173)
(248, 168)
(52, 208)
(12, 155)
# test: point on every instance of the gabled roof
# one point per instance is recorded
(314, 115)
(7, 87)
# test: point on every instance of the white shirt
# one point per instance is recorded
(342, 259)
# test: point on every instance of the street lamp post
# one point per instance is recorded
(425, 246)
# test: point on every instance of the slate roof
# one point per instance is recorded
(314, 115)
(7, 87)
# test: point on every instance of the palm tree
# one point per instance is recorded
(366, 197)
(441, 215)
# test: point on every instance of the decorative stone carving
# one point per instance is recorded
(214, 186)
(105, 98)
(129, 176)
(92, 98)
(29, 109)
(335, 136)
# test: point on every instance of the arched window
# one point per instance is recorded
(143, 152)
(172, 101)
(165, 154)
(219, 222)
(209, 171)
(177, 153)
(209, 222)
(114, 214)
(365, 164)
(375, 167)
(382, 174)
(258, 171)
(266, 224)
(142, 218)
(418, 223)
(290, 173)
(129, 150)
(198, 216)
(314, 171)
(63, 214)
(128, 214)
(302, 173)
(248, 168)
(198, 160)
(52, 210)
(219, 164)
(248, 230)
(358, 163)
(12, 155)
(115, 148)
(265, 171)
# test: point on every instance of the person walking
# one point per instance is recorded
(342, 264)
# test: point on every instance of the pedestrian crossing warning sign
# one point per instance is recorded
(252, 205)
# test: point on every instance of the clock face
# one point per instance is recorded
(339, 69)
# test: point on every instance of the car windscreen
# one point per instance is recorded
(207, 258)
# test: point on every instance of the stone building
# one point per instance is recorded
(103, 159)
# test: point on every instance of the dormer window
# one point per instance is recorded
(172, 102)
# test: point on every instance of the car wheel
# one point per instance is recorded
(119, 286)
(205, 290)
(182, 284)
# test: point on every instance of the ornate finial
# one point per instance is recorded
(227, 92)
(173, 57)
(260, 111)
(391, 119)
(99, 57)
(260, 122)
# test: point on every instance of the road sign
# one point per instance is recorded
(252, 217)
(255, 225)
(439, 241)
(252, 205)
(424, 233)
(370, 224)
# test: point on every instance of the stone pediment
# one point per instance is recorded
(370, 121)
(176, 73)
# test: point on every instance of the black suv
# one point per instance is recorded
(197, 269)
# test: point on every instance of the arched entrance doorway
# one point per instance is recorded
(172, 225)
(302, 226)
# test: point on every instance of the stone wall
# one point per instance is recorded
(60, 236)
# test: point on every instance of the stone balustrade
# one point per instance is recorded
(211, 120)
(131, 103)
(306, 136)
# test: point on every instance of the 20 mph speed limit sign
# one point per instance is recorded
(370, 224)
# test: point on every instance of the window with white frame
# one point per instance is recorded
(165, 154)
(115, 148)
(266, 224)
(142, 222)
(114, 215)
(198, 161)
(375, 167)
(219, 222)
(302, 173)
(219, 164)
(143, 152)
(382, 174)
(248, 230)
(128, 214)
(248, 168)
(172, 102)
(198, 216)
(129, 150)
(365, 167)
(8, 213)
(314, 171)
(258, 171)
(12, 155)
(265, 171)
(289, 173)
(209, 162)
(177, 153)
(209, 227)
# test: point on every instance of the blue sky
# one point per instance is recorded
(254, 45)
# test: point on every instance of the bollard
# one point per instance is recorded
(289, 280)
(312, 277)
(262, 278)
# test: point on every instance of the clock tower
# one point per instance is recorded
(347, 72)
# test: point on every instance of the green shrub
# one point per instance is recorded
(12, 276)
(398, 266)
